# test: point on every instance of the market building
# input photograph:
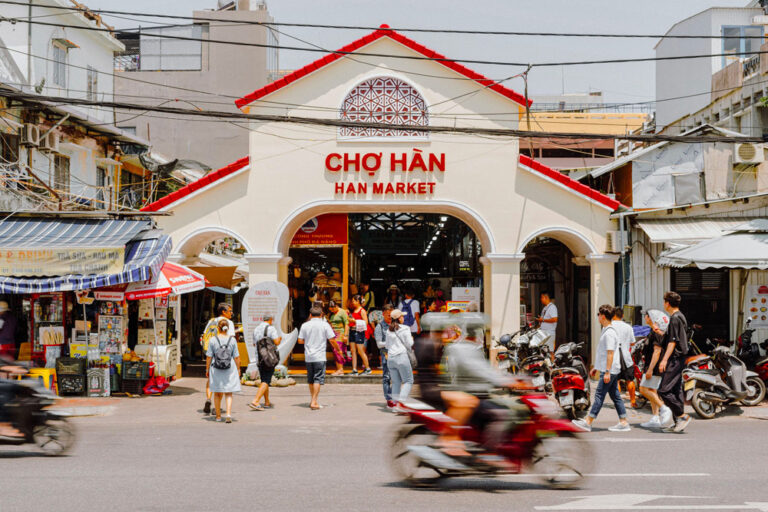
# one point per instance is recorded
(294, 174)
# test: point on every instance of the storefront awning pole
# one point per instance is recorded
(742, 295)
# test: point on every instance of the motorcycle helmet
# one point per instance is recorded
(505, 340)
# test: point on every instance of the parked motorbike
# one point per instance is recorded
(518, 347)
(570, 380)
(727, 382)
(747, 349)
(539, 366)
(46, 428)
(548, 446)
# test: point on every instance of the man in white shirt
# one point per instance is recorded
(609, 350)
(548, 319)
(411, 312)
(265, 329)
(314, 335)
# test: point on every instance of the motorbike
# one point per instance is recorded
(41, 426)
(517, 347)
(544, 443)
(570, 380)
(726, 382)
(539, 366)
(748, 350)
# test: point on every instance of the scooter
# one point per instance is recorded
(570, 380)
(517, 347)
(545, 444)
(727, 383)
(539, 366)
(46, 428)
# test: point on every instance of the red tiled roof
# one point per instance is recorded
(570, 183)
(196, 185)
(384, 31)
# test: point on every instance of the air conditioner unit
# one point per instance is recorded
(613, 241)
(50, 143)
(748, 153)
(30, 135)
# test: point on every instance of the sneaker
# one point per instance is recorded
(582, 425)
(681, 423)
(620, 427)
(654, 422)
(367, 371)
(665, 416)
(207, 407)
(391, 404)
(355, 373)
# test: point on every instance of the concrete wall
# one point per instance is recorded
(228, 72)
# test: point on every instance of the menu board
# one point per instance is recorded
(756, 305)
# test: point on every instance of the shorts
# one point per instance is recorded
(265, 374)
(654, 383)
(357, 337)
(316, 373)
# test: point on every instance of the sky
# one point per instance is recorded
(627, 82)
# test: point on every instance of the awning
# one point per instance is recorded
(689, 230)
(144, 256)
(223, 277)
(43, 233)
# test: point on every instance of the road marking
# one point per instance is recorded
(637, 502)
(637, 440)
(623, 475)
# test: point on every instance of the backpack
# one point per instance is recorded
(408, 318)
(222, 356)
(267, 350)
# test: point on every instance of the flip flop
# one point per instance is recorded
(256, 407)
(316, 408)
(270, 406)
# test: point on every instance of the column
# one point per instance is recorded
(501, 273)
(602, 290)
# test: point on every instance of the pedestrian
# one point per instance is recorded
(411, 312)
(267, 332)
(7, 331)
(548, 319)
(609, 350)
(398, 342)
(358, 336)
(222, 367)
(223, 312)
(649, 385)
(314, 334)
(380, 335)
(627, 337)
(393, 296)
(339, 321)
(369, 299)
(673, 417)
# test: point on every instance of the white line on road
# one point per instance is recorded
(638, 502)
(624, 475)
(637, 440)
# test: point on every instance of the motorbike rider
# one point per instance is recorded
(8, 367)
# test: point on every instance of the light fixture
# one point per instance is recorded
(443, 219)
(438, 232)
(434, 238)
(423, 255)
(442, 225)
(381, 269)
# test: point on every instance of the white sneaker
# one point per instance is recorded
(620, 427)
(665, 416)
(582, 425)
(654, 422)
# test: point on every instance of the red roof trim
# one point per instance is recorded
(570, 183)
(206, 180)
(384, 31)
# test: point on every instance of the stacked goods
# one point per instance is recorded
(70, 373)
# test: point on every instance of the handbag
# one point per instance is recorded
(409, 351)
(627, 372)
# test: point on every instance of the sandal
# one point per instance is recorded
(257, 407)
(228, 419)
(316, 408)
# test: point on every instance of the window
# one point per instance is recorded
(9, 148)
(128, 129)
(162, 54)
(741, 40)
(61, 173)
(92, 90)
(59, 65)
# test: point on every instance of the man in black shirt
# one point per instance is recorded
(672, 365)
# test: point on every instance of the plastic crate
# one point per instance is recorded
(71, 384)
(134, 387)
(70, 366)
(135, 371)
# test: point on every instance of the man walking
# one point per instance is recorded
(314, 335)
(412, 312)
(548, 319)
(369, 299)
(380, 335)
(609, 350)
(672, 363)
(264, 330)
(223, 312)
(7, 331)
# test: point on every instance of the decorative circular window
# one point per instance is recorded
(384, 100)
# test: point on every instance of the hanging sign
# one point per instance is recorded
(60, 261)
(756, 306)
(328, 229)
(466, 294)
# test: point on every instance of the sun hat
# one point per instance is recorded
(396, 314)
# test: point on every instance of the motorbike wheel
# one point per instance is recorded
(563, 461)
(56, 437)
(704, 409)
(756, 388)
(405, 464)
(570, 412)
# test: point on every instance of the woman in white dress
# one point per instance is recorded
(223, 381)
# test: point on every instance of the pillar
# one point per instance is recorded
(501, 273)
(602, 290)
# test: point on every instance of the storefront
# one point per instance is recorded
(297, 173)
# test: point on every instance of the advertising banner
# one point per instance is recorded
(328, 229)
(756, 306)
(60, 261)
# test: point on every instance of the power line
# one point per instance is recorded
(500, 132)
(398, 29)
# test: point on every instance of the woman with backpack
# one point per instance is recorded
(222, 367)
(399, 345)
(359, 332)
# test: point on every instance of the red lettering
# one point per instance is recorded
(351, 188)
(362, 188)
(422, 188)
(400, 188)
(329, 162)
(435, 163)
(417, 163)
(390, 189)
(411, 188)
(371, 168)
(394, 162)
(431, 188)
(338, 188)
(355, 161)
(378, 188)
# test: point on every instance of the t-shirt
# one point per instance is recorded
(654, 340)
(212, 327)
(415, 309)
(609, 340)
(549, 311)
(626, 339)
(315, 333)
(369, 300)
(677, 332)
(339, 321)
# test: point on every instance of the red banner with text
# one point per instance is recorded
(328, 229)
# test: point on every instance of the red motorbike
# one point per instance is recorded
(543, 443)
(570, 380)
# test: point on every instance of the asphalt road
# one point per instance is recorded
(162, 454)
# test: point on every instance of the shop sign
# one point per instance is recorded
(109, 296)
(416, 172)
(756, 306)
(466, 294)
(328, 229)
(60, 261)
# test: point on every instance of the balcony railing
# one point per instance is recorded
(128, 61)
(750, 66)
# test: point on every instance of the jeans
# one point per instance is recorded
(402, 376)
(612, 389)
(386, 380)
